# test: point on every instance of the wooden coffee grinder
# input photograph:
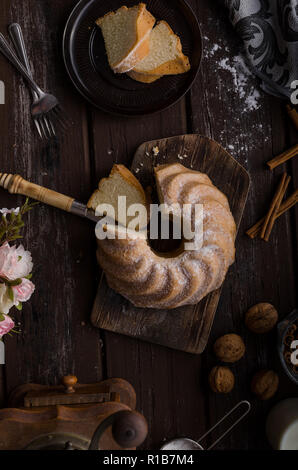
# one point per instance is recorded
(72, 416)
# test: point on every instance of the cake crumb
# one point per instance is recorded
(155, 151)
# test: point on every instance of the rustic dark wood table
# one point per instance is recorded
(56, 336)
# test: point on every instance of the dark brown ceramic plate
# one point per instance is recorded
(86, 61)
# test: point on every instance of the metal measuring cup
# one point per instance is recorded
(184, 443)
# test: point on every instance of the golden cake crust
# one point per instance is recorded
(151, 280)
(140, 48)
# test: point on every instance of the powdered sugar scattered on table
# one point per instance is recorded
(252, 101)
(241, 75)
(235, 86)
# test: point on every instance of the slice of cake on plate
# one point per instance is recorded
(165, 56)
(126, 34)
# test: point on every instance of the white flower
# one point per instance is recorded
(17, 295)
(5, 301)
(15, 262)
(5, 211)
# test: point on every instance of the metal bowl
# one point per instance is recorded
(282, 329)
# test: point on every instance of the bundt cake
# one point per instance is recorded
(150, 279)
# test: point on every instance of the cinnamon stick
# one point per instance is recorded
(273, 204)
(292, 112)
(277, 206)
(283, 157)
(285, 206)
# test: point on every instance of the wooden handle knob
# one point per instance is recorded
(69, 382)
(129, 429)
(15, 184)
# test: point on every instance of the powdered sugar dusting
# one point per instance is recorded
(166, 282)
(236, 88)
(241, 75)
(252, 101)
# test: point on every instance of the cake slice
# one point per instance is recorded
(143, 77)
(165, 56)
(121, 182)
(126, 34)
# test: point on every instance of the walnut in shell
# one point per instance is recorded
(261, 318)
(265, 384)
(221, 379)
(229, 348)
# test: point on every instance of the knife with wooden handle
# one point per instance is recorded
(15, 184)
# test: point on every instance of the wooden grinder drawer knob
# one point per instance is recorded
(69, 382)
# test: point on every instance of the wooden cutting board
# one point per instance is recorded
(185, 328)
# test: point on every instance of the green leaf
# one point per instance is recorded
(13, 331)
(19, 306)
(28, 206)
(11, 225)
(14, 283)
(2, 317)
(29, 276)
(14, 237)
(10, 293)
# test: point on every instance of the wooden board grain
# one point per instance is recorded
(186, 328)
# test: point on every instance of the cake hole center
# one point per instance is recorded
(171, 247)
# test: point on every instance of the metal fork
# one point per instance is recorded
(43, 125)
(45, 106)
